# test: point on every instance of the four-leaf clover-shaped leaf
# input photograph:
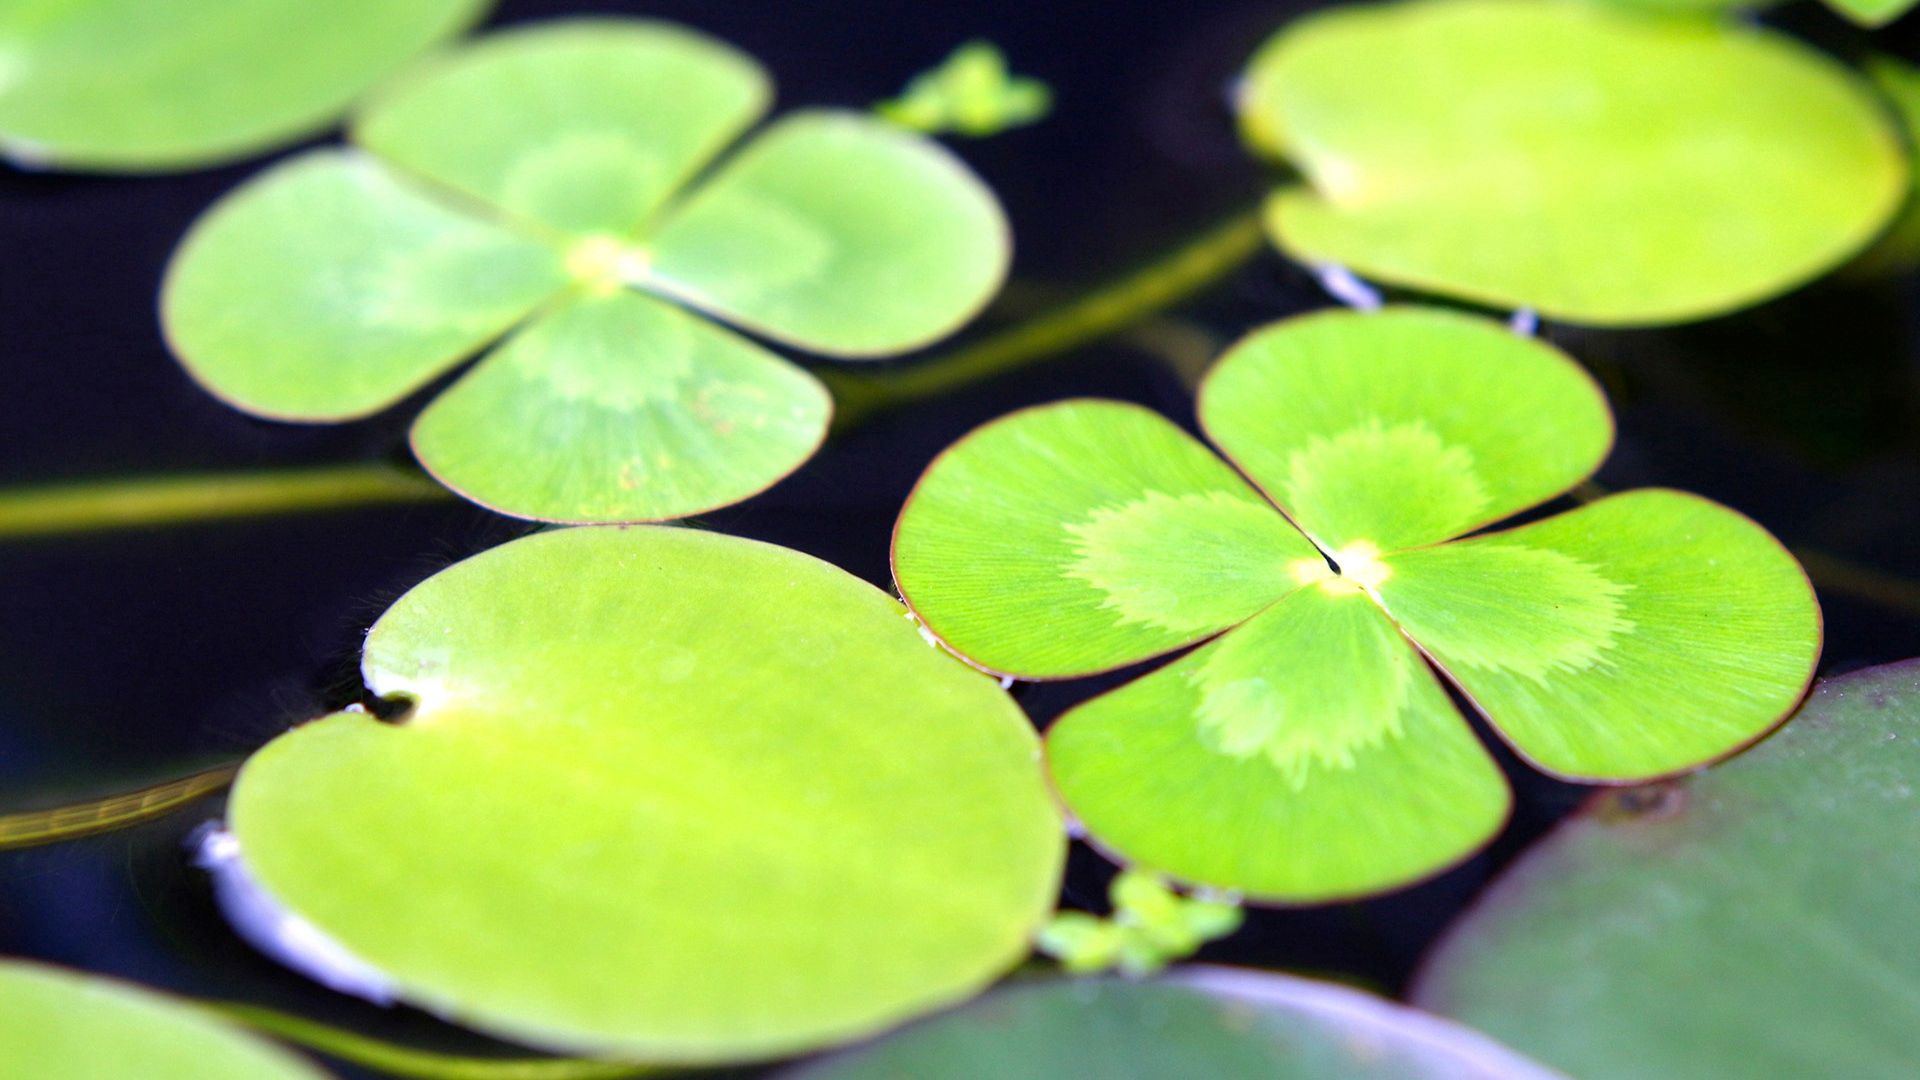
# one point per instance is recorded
(563, 186)
(1309, 752)
(1603, 167)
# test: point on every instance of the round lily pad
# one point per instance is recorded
(63, 1025)
(157, 85)
(1600, 166)
(569, 192)
(1756, 920)
(1220, 1023)
(661, 794)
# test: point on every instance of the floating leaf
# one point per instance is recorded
(1219, 1023)
(63, 1025)
(1306, 756)
(1600, 166)
(1898, 250)
(971, 93)
(562, 124)
(1130, 535)
(1407, 430)
(1308, 753)
(1639, 608)
(663, 794)
(1871, 12)
(1757, 920)
(159, 85)
(536, 183)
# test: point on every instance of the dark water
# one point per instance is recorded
(127, 657)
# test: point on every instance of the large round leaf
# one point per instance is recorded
(1217, 1023)
(149, 85)
(580, 126)
(1130, 537)
(1762, 919)
(1601, 166)
(1403, 427)
(1308, 755)
(1583, 637)
(63, 1025)
(665, 794)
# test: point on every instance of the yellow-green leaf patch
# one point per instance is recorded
(57, 1024)
(163, 85)
(1601, 166)
(617, 735)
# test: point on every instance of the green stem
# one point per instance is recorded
(1105, 311)
(1119, 306)
(31, 828)
(94, 505)
(407, 1061)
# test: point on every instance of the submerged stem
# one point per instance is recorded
(95, 505)
(31, 828)
(1105, 311)
(407, 1061)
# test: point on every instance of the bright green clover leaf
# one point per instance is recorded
(1600, 166)
(63, 1025)
(1151, 926)
(1762, 919)
(563, 186)
(971, 93)
(1309, 753)
(663, 794)
(158, 85)
(1217, 1023)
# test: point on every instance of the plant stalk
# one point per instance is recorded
(1107, 310)
(31, 828)
(416, 1064)
(98, 505)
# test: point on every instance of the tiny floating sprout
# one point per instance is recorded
(1604, 167)
(563, 199)
(972, 94)
(1151, 926)
(133, 86)
(1307, 751)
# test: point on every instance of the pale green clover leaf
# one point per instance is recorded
(160, 85)
(561, 190)
(1309, 752)
(1599, 166)
(57, 1024)
(971, 93)
(659, 794)
(1151, 926)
